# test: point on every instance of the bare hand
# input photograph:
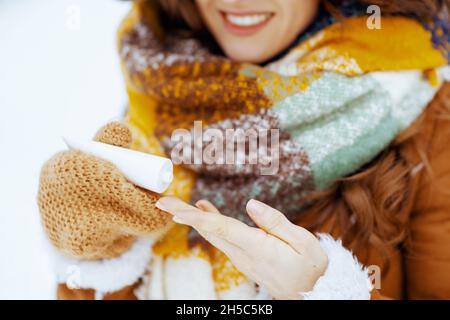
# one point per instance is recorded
(283, 258)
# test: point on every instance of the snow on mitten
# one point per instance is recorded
(89, 209)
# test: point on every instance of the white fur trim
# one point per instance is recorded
(344, 279)
(263, 294)
(444, 73)
(105, 275)
(188, 278)
(190, 272)
(152, 287)
(244, 290)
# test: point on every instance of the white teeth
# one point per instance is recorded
(246, 21)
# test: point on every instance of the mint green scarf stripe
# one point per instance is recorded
(350, 158)
(325, 95)
(345, 122)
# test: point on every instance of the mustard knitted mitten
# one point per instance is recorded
(89, 209)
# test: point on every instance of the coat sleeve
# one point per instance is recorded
(65, 293)
(427, 250)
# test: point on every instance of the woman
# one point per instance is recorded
(360, 111)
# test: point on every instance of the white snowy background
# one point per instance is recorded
(56, 77)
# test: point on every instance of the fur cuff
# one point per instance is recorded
(444, 72)
(106, 275)
(344, 279)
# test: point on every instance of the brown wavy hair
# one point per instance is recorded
(368, 207)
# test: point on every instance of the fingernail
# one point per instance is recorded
(199, 202)
(160, 204)
(254, 206)
(178, 220)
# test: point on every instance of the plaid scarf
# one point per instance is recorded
(337, 98)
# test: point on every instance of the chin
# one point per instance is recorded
(246, 54)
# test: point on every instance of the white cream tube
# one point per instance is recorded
(148, 171)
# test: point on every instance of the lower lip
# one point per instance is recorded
(244, 31)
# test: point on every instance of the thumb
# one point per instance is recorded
(116, 134)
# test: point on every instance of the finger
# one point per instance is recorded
(205, 205)
(226, 247)
(275, 223)
(221, 226)
(176, 206)
(238, 257)
(232, 231)
(182, 212)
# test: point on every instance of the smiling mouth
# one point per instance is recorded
(246, 24)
